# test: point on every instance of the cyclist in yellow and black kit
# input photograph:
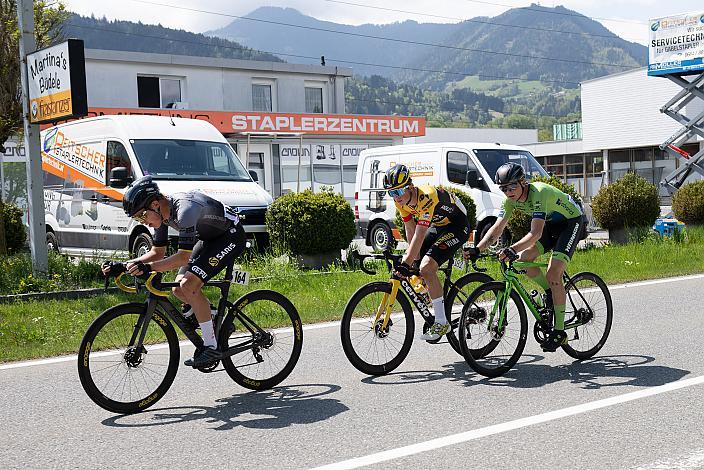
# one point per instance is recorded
(441, 228)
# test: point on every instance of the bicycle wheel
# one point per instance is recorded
(274, 353)
(457, 295)
(501, 344)
(117, 376)
(590, 310)
(372, 349)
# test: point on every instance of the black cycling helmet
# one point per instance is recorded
(509, 173)
(139, 195)
(397, 177)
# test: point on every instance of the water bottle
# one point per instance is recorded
(537, 298)
(419, 285)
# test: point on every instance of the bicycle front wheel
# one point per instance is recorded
(118, 376)
(588, 315)
(268, 324)
(499, 336)
(370, 346)
(457, 295)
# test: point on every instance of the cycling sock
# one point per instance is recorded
(439, 308)
(560, 317)
(208, 334)
(542, 281)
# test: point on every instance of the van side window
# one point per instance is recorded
(458, 164)
(117, 156)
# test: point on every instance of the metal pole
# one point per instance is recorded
(300, 151)
(342, 174)
(35, 188)
(2, 177)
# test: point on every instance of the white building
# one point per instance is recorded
(622, 128)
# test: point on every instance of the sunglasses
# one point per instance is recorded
(506, 188)
(397, 192)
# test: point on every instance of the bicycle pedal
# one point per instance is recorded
(209, 368)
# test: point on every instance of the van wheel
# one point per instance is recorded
(52, 243)
(142, 244)
(504, 240)
(380, 237)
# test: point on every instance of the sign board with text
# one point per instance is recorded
(57, 82)
(676, 44)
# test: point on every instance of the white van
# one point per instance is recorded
(462, 165)
(87, 162)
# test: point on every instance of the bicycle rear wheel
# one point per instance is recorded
(501, 344)
(370, 347)
(271, 324)
(457, 295)
(588, 315)
(119, 377)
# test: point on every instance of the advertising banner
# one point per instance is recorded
(57, 82)
(676, 44)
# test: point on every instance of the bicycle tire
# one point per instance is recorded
(457, 292)
(116, 326)
(572, 347)
(289, 337)
(469, 322)
(373, 292)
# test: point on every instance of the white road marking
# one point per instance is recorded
(317, 326)
(695, 460)
(513, 425)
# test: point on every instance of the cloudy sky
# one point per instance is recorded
(627, 18)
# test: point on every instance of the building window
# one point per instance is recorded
(156, 92)
(314, 100)
(261, 98)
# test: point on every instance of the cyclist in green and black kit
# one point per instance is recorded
(558, 224)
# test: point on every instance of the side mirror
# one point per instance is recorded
(254, 176)
(472, 179)
(120, 177)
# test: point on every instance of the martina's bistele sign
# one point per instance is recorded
(57, 82)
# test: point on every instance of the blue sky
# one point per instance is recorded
(627, 18)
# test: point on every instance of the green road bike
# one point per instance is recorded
(494, 319)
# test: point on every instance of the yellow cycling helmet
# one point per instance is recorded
(397, 177)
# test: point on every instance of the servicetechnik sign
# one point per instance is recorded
(57, 82)
(676, 44)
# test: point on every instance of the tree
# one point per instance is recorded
(48, 20)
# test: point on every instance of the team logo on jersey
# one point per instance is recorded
(213, 261)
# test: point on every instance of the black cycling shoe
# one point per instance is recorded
(555, 339)
(203, 357)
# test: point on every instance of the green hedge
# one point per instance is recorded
(467, 201)
(307, 224)
(688, 203)
(629, 202)
(15, 233)
(519, 223)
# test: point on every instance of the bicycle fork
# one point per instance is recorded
(499, 308)
(387, 301)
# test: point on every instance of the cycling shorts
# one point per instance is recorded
(441, 243)
(562, 238)
(212, 256)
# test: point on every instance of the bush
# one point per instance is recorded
(307, 224)
(519, 223)
(688, 203)
(629, 202)
(15, 233)
(467, 201)
(65, 273)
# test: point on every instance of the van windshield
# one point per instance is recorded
(492, 159)
(174, 159)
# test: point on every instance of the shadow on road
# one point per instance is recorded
(277, 408)
(595, 373)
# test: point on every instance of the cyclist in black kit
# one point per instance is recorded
(210, 236)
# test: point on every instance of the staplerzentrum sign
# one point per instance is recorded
(57, 82)
(676, 44)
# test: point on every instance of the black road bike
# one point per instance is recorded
(377, 326)
(130, 353)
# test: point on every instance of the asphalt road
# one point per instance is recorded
(637, 405)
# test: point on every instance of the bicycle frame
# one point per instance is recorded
(157, 297)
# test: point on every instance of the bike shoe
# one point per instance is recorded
(555, 339)
(203, 357)
(436, 331)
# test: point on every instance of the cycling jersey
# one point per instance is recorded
(196, 217)
(544, 202)
(436, 207)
